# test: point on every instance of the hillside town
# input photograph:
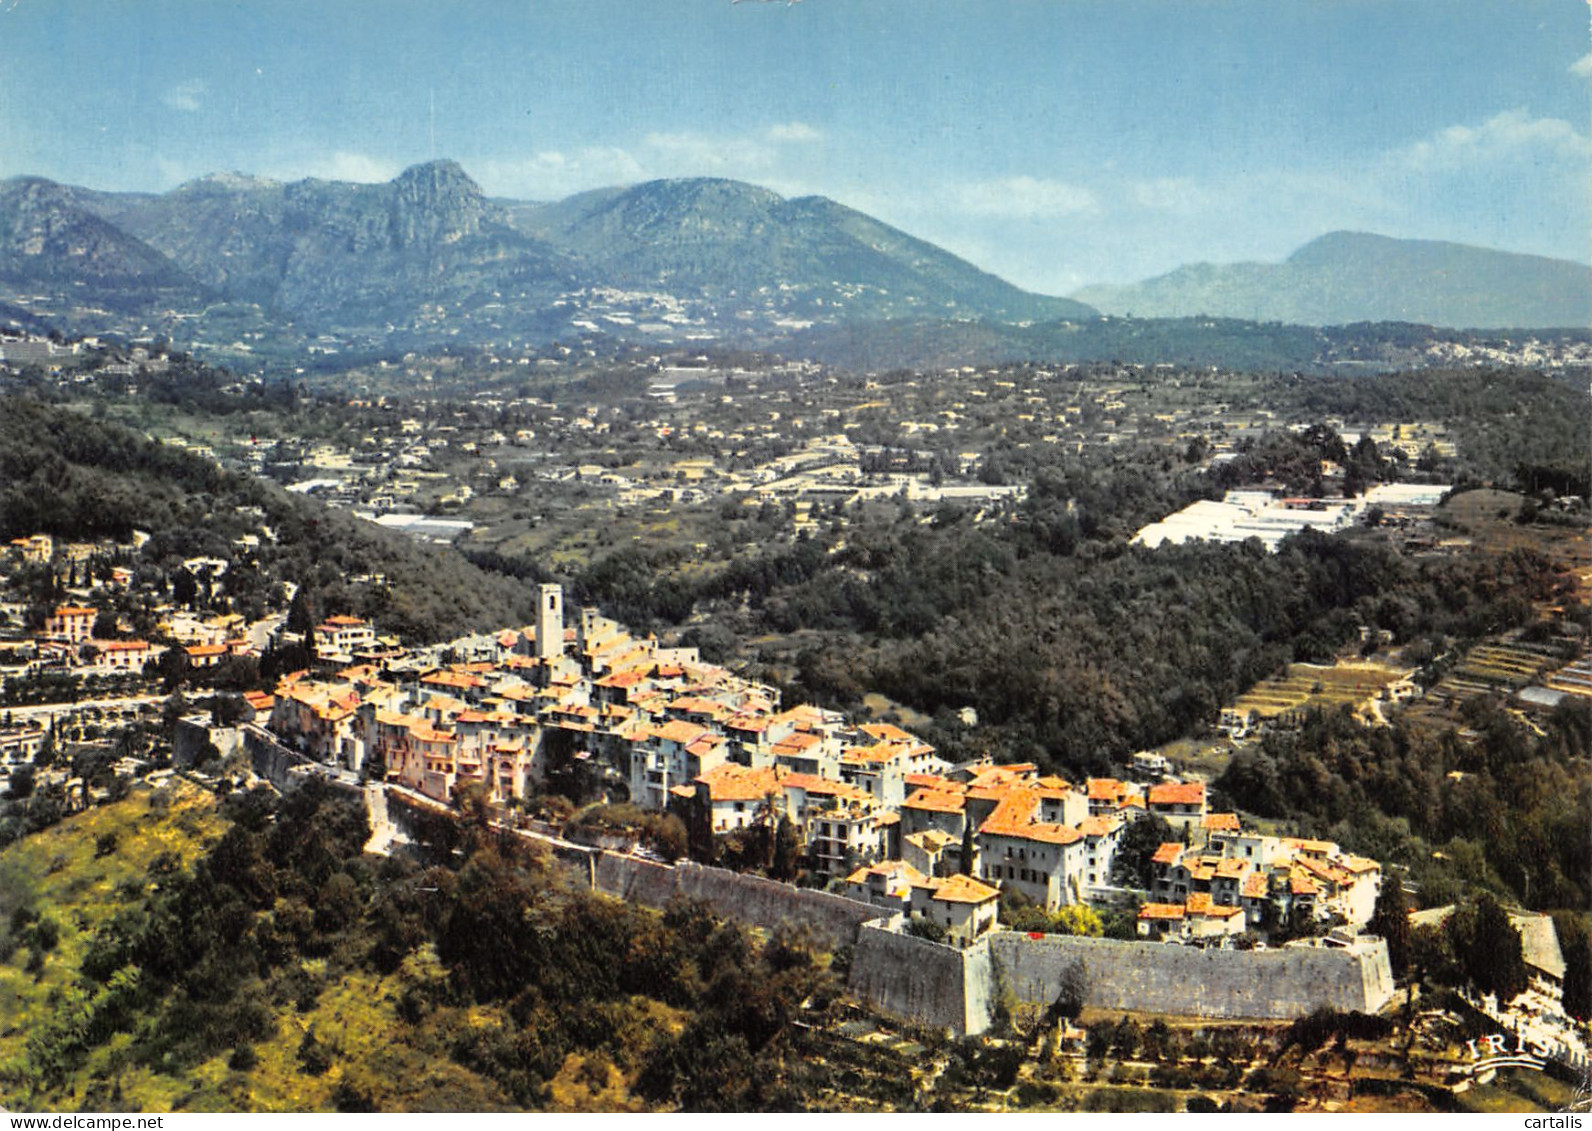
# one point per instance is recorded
(875, 811)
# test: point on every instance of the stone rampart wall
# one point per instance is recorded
(921, 981)
(831, 920)
(1159, 978)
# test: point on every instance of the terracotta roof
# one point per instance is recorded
(680, 731)
(962, 889)
(933, 801)
(1167, 853)
(1314, 847)
(453, 679)
(1161, 911)
(932, 840)
(622, 679)
(1221, 822)
(885, 732)
(1105, 789)
(705, 745)
(1199, 903)
(1256, 886)
(824, 787)
(886, 869)
(1097, 826)
(1178, 793)
(732, 782)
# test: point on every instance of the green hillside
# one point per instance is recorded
(250, 958)
(66, 474)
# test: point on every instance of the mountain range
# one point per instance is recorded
(427, 258)
(428, 248)
(1345, 277)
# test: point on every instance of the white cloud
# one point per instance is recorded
(1504, 136)
(1582, 67)
(553, 174)
(1182, 195)
(688, 153)
(359, 167)
(1026, 198)
(794, 131)
(338, 165)
(184, 96)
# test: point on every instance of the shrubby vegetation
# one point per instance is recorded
(66, 474)
(532, 988)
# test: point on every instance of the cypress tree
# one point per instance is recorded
(1578, 977)
(1391, 920)
(1495, 960)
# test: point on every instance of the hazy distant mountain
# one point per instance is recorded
(808, 257)
(1348, 277)
(346, 254)
(49, 242)
(426, 257)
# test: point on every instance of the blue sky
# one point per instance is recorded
(1055, 143)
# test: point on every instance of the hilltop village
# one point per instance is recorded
(872, 809)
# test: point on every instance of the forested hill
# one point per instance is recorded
(65, 474)
(1227, 342)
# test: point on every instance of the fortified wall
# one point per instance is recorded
(832, 920)
(944, 986)
(1152, 977)
(959, 988)
(284, 768)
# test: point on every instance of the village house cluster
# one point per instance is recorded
(88, 640)
(1240, 881)
(875, 809)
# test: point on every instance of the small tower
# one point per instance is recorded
(550, 622)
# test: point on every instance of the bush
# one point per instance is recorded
(314, 1057)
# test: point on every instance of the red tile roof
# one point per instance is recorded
(1167, 853)
(1167, 911)
(960, 889)
(1178, 793)
(934, 801)
(732, 782)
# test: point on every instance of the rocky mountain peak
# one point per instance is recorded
(435, 203)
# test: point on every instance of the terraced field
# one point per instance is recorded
(1318, 686)
(1574, 679)
(1498, 668)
